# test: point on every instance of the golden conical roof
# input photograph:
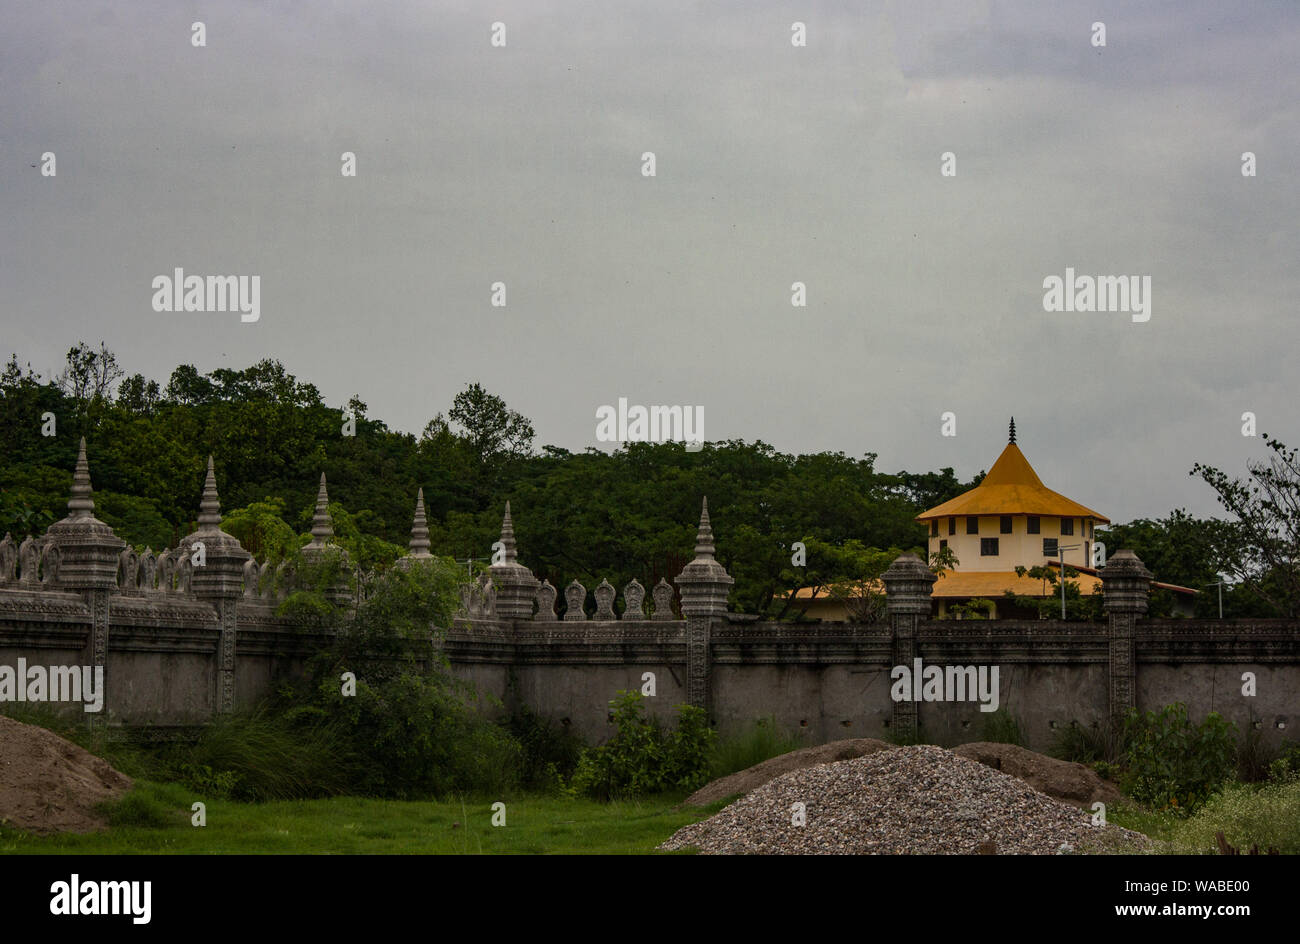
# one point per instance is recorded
(1012, 487)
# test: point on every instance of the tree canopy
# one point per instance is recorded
(630, 513)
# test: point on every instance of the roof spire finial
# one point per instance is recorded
(1013, 429)
(508, 538)
(210, 507)
(322, 528)
(420, 529)
(80, 504)
(704, 537)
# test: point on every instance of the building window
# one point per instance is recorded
(943, 544)
(1049, 547)
(934, 529)
(1033, 524)
(1067, 526)
(972, 524)
(952, 525)
(988, 547)
(1006, 524)
(1087, 554)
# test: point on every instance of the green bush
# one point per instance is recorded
(1267, 816)
(411, 729)
(641, 758)
(550, 754)
(1174, 764)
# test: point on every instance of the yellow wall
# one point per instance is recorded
(1019, 548)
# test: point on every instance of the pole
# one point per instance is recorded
(1060, 553)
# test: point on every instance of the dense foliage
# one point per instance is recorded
(586, 516)
(589, 515)
(643, 758)
(1175, 764)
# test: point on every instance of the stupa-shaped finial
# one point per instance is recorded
(704, 537)
(210, 506)
(508, 537)
(420, 529)
(80, 505)
(322, 528)
(1013, 429)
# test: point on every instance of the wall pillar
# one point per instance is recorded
(704, 585)
(908, 584)
(87, 553)
(1125, 585)
(218, 580)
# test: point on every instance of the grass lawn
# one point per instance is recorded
(155, 819)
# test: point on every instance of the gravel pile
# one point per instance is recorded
(911, 800)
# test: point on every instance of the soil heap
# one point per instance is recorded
(49, 785)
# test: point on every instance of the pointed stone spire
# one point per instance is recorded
(704, 549)
(80, 505)
(508, 537)
(420, 529)
(322, 528)
(516, 587)
(210, 506)
(1013, 429)
(221, 574)
(87, 547)
(704, 583)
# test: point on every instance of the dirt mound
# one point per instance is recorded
(1062, 779)
(908, 800)
(50, 785)
(743, 781)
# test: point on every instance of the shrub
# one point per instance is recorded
(411, 729)
(640, 758)
(1174, 764)
(549, 753)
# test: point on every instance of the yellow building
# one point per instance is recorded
(1011, 519)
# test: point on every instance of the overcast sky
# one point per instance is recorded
(775, 164)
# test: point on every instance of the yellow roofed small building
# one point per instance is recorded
(1011, 519)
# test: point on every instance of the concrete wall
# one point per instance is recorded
(821, 681)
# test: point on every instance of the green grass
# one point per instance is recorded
(1267, 815)
(155, 819)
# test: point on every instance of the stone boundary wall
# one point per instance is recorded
(179, 643)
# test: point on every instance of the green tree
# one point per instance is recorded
(1262, 548)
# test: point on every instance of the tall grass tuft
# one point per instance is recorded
(761, 741)
(1089, 744)
(999, 727)
(257, 756)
